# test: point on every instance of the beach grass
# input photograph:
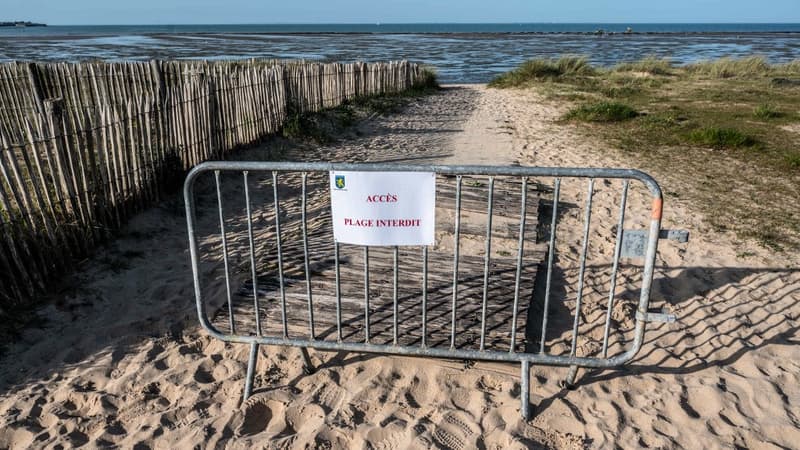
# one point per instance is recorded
(731, 67)
(602, 112)
(766, 112)
(322, 127)
(721, 138)
(543, 69)
(716, 127)
(428, 80)
(650, 65)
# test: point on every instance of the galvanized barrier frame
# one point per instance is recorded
(525, 359)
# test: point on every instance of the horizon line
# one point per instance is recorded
(414, 23)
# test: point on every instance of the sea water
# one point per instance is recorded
(461, 53)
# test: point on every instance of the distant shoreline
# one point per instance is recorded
(22, 24)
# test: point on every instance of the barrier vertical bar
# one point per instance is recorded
(394, 296)
(252, 253)
(424, 296)
(649, 268)
(280, 251)
(518, 275)
(615, 267)
(338, 294)
(457, 234)
(366, 294)
(525, 389)
(225, 253)
(582, 269)
(251, 371)
(550, 256)
(573, 370)
(305, 257)
(486, 263)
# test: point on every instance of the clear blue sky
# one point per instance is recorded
(81, 12)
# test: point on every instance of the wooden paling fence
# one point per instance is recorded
(84, 146)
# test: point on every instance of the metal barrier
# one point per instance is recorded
(421, 322)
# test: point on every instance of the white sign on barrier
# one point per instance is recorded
(383, 208)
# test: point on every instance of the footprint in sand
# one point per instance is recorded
(115, 428)
(305, 418)
(389, 437)
(332, 439)
(192, 348)
(203, 374)
(224, 370)
(75, 435)
(331, 397)
(259, 414)
(456, 431)
(154, 351)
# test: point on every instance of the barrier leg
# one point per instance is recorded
(308, 366)
(525, 390)
(251, 371)
(569, 382)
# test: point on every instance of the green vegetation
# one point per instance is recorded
(543, 69)
(602, 112)
(721, 138)
(310, 126)
(428, 81)
(322, 127)
(766, 112)
(731, 67)
(727, 132)
(649, 65)
(792, 160)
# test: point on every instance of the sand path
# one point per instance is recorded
(121, 361)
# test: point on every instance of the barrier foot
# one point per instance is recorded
(525, 394)
(308, 366)
(569, 382)
(251, 371)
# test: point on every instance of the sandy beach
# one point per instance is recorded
(119, 359)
